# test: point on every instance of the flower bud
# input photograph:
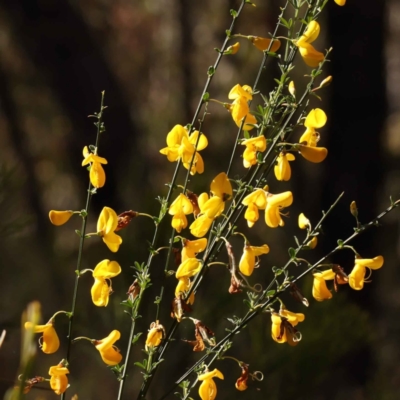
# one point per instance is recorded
(326, 82)
(354, 209)
(232, 49)
(292, 89)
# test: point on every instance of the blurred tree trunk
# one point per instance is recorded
(356, 120)
(77, 72)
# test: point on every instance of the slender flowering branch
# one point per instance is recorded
(261, 306)
(91, 190)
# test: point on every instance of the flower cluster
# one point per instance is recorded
(185, 147)
(261, 199)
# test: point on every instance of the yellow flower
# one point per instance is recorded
(232, 49)
(313, 154)
(239, 109)
(320, 291)
(283, 324)
(180, 207)
(108, 352)
(356, 277)
(221, 187)
(255, 201)
(310, 56)
(192, 247)
(104, 271)
(155, 335)
(200, 226)
(316, 118)
(188, 268)
(97, 175)
(253, 145)
(211, 208)
(264, 43)
(106, 225)
(248, 260)
(181, 146)
(304, 222)
(282, 168)
(58, 380)
(49, 341)
(340, 2)
(208, 389)
(184, 284)
(275, 202)
(241, 91)
(60, 217)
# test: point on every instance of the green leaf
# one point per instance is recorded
(136, 337)
(292, 253)
(233, 13)
(206, 96)
(340, 242)
(270, 293)
(211, 71)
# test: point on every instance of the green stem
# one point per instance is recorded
(82, 241)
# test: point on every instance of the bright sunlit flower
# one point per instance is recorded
(315, 119)
(208, 388)
(58, 380)
(282, 168)
(304, 222)
(97, 175)
(60, 217)
(239, 108)
(49, 342)
(211, 208)
(313, 154)
(255, 201)
(181, 146)
(188, 268)
(320, 291)
(357, 276)
(109, 353)
(155, 336)
(275, 203)
(283, 327)
(340, 2)
(200, 226)
(180, 207)
(310, 56)
(248, 259)
(192, 247)
(106, 225)
(264, 43)
(253, 145)
(102, 274)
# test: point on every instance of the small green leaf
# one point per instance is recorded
(340, 242)
(292, 253)
(206, 96)
(233, 13)
(136, 337)
(211, 71)
(270, 293)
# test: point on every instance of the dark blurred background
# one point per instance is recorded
(151, 58)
